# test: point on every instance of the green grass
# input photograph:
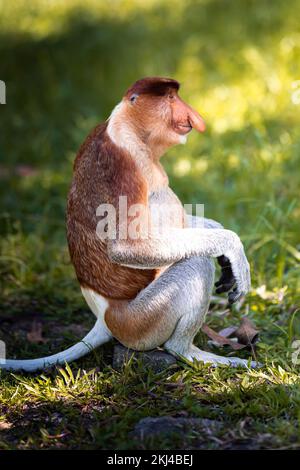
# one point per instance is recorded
(66, 65)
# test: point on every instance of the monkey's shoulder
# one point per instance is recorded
(108, 171)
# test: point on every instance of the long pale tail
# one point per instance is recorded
(97, 336)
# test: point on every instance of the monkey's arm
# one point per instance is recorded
(201, 222)
(175, 244)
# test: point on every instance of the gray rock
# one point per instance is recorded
(156, 359)
(166, 425)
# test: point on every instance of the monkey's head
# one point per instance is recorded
(159, 118)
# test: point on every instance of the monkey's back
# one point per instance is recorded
(102, 172)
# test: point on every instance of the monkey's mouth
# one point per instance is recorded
(183, 129)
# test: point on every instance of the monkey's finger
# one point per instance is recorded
(233, 296)
(226, 278)
(223, 279)
(225, 287)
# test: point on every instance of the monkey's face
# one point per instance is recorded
(163, 120)
(159, 116)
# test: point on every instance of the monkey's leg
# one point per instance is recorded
(169, 312)
(197, 299)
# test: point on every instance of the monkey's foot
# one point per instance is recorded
(196, 354)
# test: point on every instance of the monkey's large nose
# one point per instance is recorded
(186, 114)
(196, 120)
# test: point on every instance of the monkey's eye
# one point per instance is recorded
(133, 98)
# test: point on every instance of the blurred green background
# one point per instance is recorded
(67, 63)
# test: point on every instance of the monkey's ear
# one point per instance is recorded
(133, 98)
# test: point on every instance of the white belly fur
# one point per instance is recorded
(97, 304)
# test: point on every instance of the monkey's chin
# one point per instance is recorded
(183, 139)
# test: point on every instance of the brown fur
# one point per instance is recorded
(102, 172)
(132, 325)
(154, 86)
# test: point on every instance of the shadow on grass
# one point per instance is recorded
(80, 421)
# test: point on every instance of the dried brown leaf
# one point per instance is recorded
(4, 425)
(35, 335)
(246, 333)
(25, 170)
(221, 340)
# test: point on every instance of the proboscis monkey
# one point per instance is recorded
(153, 290)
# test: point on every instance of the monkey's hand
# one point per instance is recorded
(228, 281)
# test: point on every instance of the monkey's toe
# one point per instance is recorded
(196, 354)
(237, 362)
